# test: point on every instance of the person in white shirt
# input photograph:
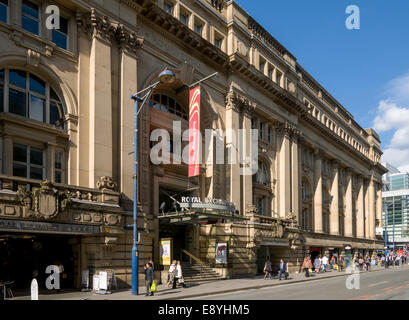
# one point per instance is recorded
(171, 274)
(325, 263)
(179, 275)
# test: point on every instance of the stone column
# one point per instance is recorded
(360, 226)
(233, 165)
(284, 174)
(334, 209)
(247, 179)
(367, 213)
(295, 178)
(348, 204)
(372, 213)
(128, 85)
(318, 192)
(100, 104)
(379, 205)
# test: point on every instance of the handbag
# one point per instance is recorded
(153, 286)
(310, 270)
(181, 280)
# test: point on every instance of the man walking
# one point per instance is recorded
(325, 263)
(283, 269)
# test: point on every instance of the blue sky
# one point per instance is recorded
(366, 70)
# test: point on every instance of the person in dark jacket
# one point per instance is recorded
(148, 278)
(283, 269)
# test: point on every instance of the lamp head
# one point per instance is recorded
(167, 76)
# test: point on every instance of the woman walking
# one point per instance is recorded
(268, 269)
(317, 264)
(171, 274)
(306, 265)
(178, 276)
(148, 279)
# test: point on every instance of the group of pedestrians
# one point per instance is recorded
(392, 259)
(175, 276)
(282, 270)
(322, 264)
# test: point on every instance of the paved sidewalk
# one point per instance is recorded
(198, 289)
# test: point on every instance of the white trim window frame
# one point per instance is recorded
(29, 163)
(28, 15)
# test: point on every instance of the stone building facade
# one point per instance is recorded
(66, 131)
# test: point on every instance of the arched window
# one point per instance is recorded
(262, 176)
(168, 104)
(26, 95)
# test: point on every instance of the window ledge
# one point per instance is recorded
(32, 124)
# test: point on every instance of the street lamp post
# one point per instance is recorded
(168, 77)
(165, 77)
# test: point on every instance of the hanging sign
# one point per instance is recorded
(165, 252)
(194, 132)
(221, 253)
(34, 290)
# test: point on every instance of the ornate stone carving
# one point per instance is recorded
(251, 210)
(105, 183)
(44, 202)
(289, 130)
(95, 25)
(33, 57)
(239, 103)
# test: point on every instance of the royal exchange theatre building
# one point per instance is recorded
(66, 136)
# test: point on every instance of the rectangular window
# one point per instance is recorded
(261, 130)
(30, 19)
(262, 65)
(184, 18)
(199, 29)
(218, 42)
(270, 135)
(58, 167)
(279, 76)
(28, 162)
(168, 7)
(3, 10)
(17, 102)
(270, 73)
(60, 36)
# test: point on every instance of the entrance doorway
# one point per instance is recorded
(26, 256)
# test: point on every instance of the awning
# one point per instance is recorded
(46, 227)
(196, 217)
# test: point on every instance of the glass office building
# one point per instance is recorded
(396, 204)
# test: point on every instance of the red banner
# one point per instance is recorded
(194, 132)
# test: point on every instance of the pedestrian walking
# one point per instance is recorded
(179, 275)
(268, 269)
(367, 262)
(325, 263)
(317, 264)
(148, 278)
(361, 262)
(333, 262)
(171, 274)
(341, 263)
(398, 260)
(307, 265)
(283, 270)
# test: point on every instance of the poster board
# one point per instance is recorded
(221, 253)
(95, 283)
(165, 252)
(103, 280)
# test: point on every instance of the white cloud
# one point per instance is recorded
(393, 116)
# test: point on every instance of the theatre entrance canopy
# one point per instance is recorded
(193, 211)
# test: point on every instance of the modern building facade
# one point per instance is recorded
(66, 132)
(396, 205)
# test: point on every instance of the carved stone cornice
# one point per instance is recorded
(100, 26)
(239, 103)
(289, 130)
